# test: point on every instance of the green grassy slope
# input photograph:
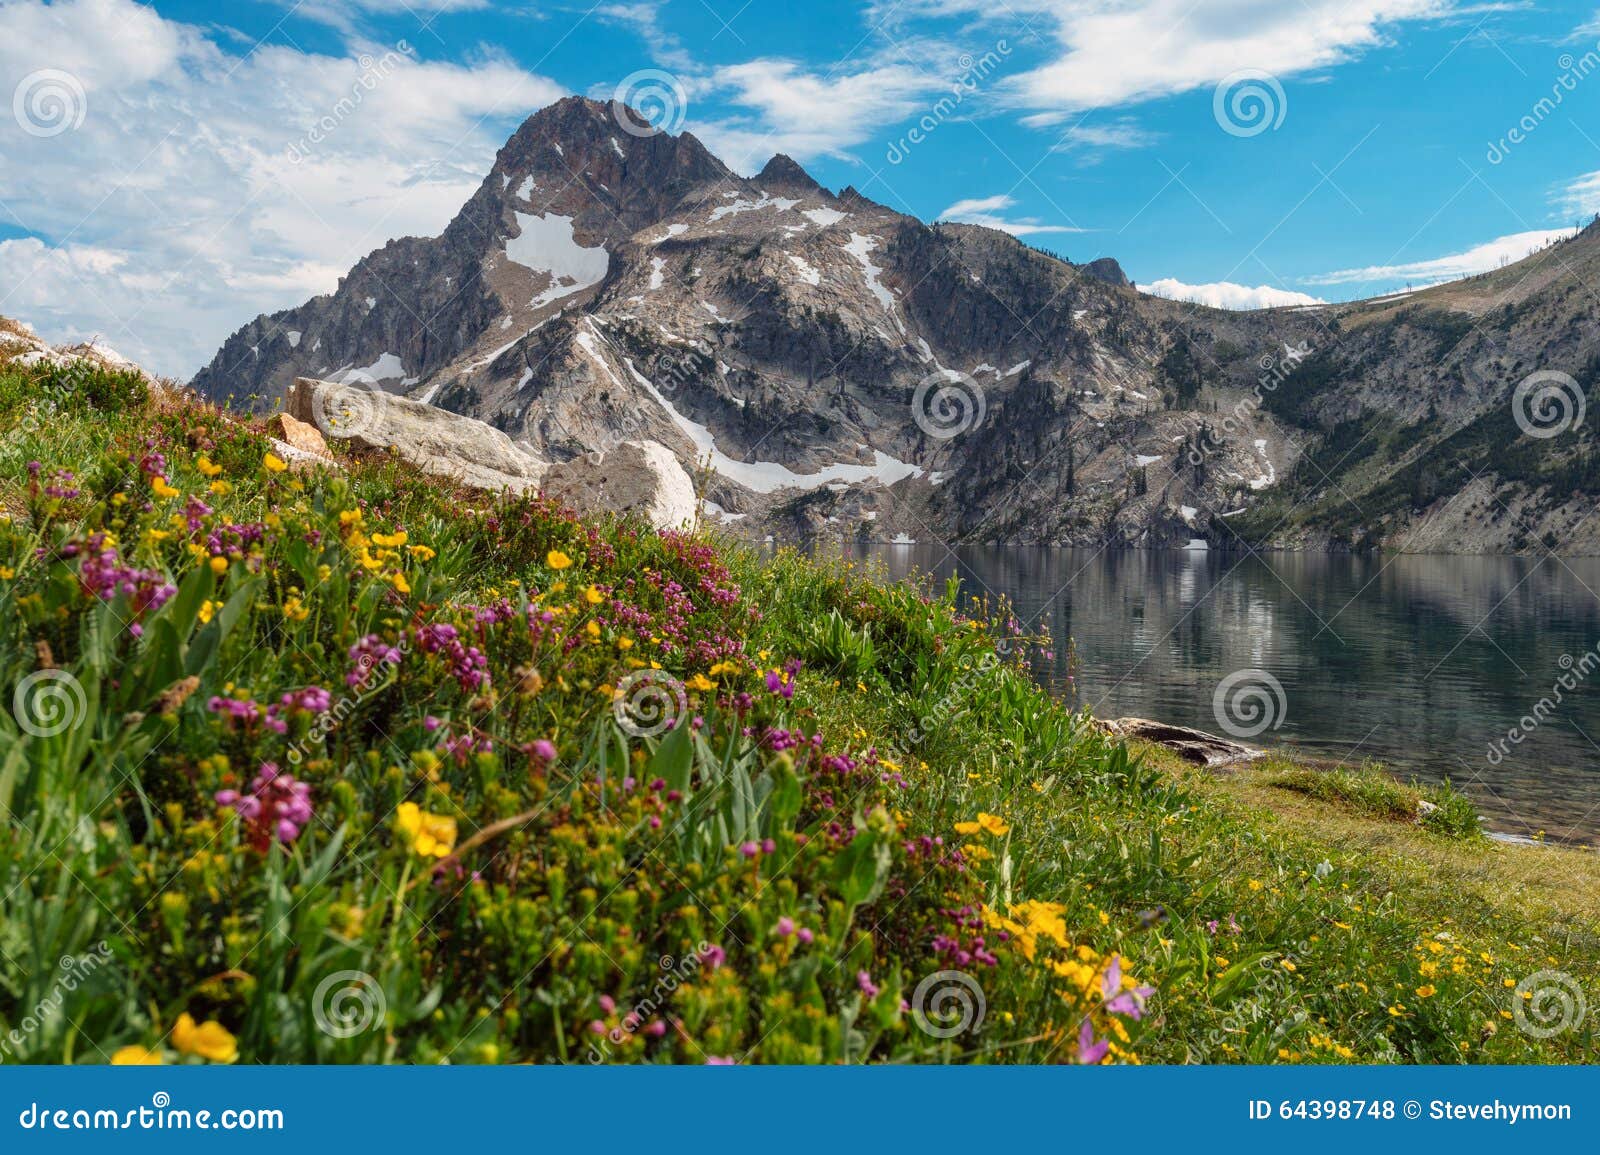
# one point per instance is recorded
(866, 834)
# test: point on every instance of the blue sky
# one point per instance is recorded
(158, 208)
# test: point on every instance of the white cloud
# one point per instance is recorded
(1117, 134)
(1228, 295)
(986, 211)
(345, 14)
(174, 213)
(1581, 195)
(806, 114)
(1109, 54)
(1478, 259)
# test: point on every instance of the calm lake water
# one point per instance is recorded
(1417, 662)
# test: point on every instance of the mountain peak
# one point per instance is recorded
(1108, 270)
(783, 173)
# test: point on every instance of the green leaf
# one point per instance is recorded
(862, 868)
(673, 760)
(209, 640)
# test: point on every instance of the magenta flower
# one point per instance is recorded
(367, 654)
(1091, 1051)
(276, 807)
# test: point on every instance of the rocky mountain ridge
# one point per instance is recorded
(846, 370)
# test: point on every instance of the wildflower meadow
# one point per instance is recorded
(338, 764)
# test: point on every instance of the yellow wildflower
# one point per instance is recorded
(701, 683)
(136, 1056)
(398, 581)
(1427, 991)
(207, 609)
(593, 596)
(430, 835)
(1030, 921)
(274, 463)
(422, 553)
(220, 488)
(990, 823)
(210, 1039)
(219, 565)
(159, 486)
(389, 540)
(555, 559)
(205, 466)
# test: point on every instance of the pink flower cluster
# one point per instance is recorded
(277, 806)
(368, 654)
(468, 665)
(105, 576)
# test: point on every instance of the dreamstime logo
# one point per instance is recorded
(1547, 403)
(373, 73)
(947, 404)
(75, 971)
(643, 1015)
(959, 696)
(974, 71)
(49, 102)
(1275, 370)
(1572, 72)
(355, 409)
(348, 1003)
(650, 101)
(1575, 672)
(48, 702)
(947, 1003)
(1249, 102)
(1547, 1003)
(646, 702)
(1248, 702)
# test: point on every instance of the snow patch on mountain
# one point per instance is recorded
(808, 273)
(387, 367)
(545, 243)
(768, 476)
(824, 216)
(860, 247)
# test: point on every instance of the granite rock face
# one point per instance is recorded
(632, 477)
(436, 442)
(851, 372)
(639, 477)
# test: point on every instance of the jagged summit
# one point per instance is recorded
(849, 370)
(781, 173)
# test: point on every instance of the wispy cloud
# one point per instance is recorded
(1478, 259)
(173, 213)
(806, 113)
(1108, 55)
(1581, 195)
(986, 211)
